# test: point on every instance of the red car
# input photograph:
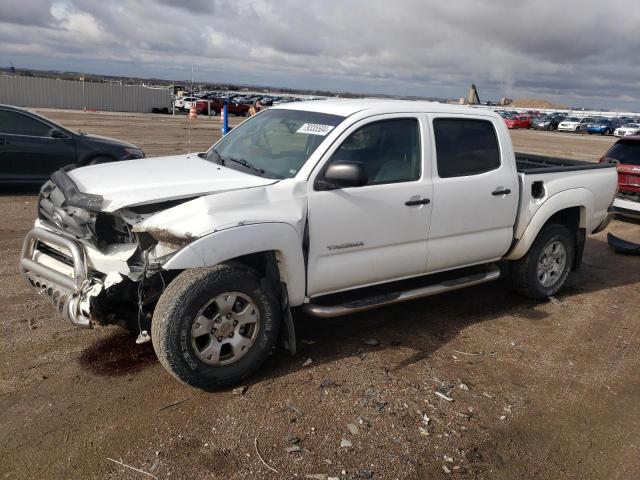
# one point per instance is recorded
(518, 121)
(626, 154)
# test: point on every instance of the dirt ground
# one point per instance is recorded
(552, 388)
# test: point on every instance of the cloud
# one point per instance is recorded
(583, 51)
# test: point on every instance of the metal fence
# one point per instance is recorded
(77, 95)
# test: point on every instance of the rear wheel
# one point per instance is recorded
(545, 268)
(215, 326)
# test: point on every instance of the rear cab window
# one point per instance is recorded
(465, 147)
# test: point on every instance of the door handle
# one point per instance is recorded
(413, 203)
(505, 191)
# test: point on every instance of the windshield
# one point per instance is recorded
(571, 119)
(627, 153)
(276, 143)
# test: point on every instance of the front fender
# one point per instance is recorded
(576, 197)
(223, 245)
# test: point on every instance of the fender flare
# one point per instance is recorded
(223, 245)
(581, 198)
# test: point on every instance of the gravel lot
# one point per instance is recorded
(552, 389)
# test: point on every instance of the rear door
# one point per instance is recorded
(378, 232)
(27, 150)
(475, 192)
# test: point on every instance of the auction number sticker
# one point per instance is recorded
(315, 129)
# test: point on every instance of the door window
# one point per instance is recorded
(389, 150)
(16, 123)
(465, 147)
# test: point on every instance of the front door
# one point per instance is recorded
(28, 152)
(475, 198)
(378, 232)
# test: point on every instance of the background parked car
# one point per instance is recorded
(575, 124)
(548, 122)
(627, 129)
(626, 154)
(603, 126)
(32, 147)
(181, 102)
(518, 121)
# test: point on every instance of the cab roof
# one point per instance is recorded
(347, 107)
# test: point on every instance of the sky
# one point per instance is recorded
(580, 53)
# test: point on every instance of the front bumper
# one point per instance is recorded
(68, 286)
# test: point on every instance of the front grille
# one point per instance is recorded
(52, 252)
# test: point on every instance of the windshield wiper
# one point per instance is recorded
(245, 164)
(218, 157)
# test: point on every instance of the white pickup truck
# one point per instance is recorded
(330, 207)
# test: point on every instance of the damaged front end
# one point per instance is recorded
(96, 267)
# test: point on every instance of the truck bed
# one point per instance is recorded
(528, 163)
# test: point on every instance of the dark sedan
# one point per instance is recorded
(33, 147)
(548, 122)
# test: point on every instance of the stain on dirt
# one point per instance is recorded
(117, 355)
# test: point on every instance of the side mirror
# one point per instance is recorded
(345, 174)
(56, 134)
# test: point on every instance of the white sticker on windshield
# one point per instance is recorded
(315, 129)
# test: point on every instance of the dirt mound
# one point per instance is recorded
(535, 103)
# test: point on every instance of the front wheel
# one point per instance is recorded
(545, 268)
(213, 327)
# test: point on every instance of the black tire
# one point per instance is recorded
(524, 274)
(99, 159)
(174, 317)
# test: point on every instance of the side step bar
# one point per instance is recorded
(328, 311)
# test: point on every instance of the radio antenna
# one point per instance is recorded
(190, 95)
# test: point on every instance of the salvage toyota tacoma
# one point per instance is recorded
(328, 207)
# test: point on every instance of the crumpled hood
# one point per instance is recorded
(151, 180)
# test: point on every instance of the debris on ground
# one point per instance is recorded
(444, 396)
(173, 404)
(473, 354)
(344, 443)
(462, 385)
(32, 324)
(293, 449)
(132, 468)
(328, 384)
(306, 363)
(317, 476)
(448, 459)
(353, 429)
(446, 469)
(291, 439)
(372, 342)
(363, 473)
(255, 444)
(239, 390)
(554, 300)
(623, 246)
